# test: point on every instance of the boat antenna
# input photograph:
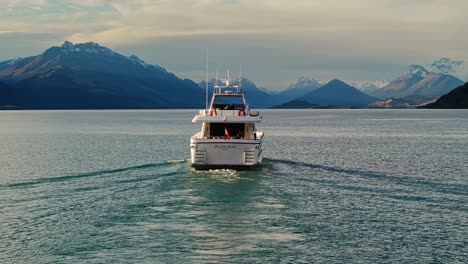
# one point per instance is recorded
(228, 82)
(206, 87)
(216, 81)
(239, 90)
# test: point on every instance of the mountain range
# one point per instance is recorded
(413, 88)
(418, 81)
(90, 76)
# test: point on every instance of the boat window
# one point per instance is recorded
(234, 130)
(229, 102)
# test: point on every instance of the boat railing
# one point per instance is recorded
(223, 138)
(240, 112)
(223, 112)
(256, 135)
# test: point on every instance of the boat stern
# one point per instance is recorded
(225, 153)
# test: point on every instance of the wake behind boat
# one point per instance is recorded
(228, 138)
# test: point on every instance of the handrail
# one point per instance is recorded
(222, 112)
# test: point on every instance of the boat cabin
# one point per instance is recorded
(228, 101)
(228, 130)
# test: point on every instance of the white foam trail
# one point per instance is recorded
(176, 161)
(223, 175)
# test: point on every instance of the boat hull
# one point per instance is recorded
(227, 167)
(225, 154)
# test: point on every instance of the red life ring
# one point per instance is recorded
(241, 112)
(213, 112)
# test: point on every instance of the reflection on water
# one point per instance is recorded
(234, 217)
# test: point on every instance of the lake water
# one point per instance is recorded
(336, 186)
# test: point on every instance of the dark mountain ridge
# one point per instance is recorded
(455, 99)
(296, 104)
(89, 76)
(339, 94)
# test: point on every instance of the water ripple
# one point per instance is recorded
(87, 174)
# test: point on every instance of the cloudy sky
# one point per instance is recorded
(276, 41)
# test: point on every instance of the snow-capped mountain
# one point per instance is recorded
(93, 48)
(87, 56)
(303, 86)
(366, 85)
(457, 68)
(415, 72)
(87, 75)
(303, 82)
(88, 47)
(417, 80)
(413, 75)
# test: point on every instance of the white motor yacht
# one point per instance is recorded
(229, 137)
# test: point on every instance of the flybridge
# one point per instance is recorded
(228, 96)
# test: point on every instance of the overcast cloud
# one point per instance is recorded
(276, 40)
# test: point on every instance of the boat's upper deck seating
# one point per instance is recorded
(228, 102)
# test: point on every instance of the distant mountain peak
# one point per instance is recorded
(303, 83)
(337, 82)
(415, 69)
(368, 86)
(306, 82)
(303, 79)
(338, 93)
(457, 68)
(303, 86)
(66, 45)
(419, 80)
(443, 62)
(87, 47)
